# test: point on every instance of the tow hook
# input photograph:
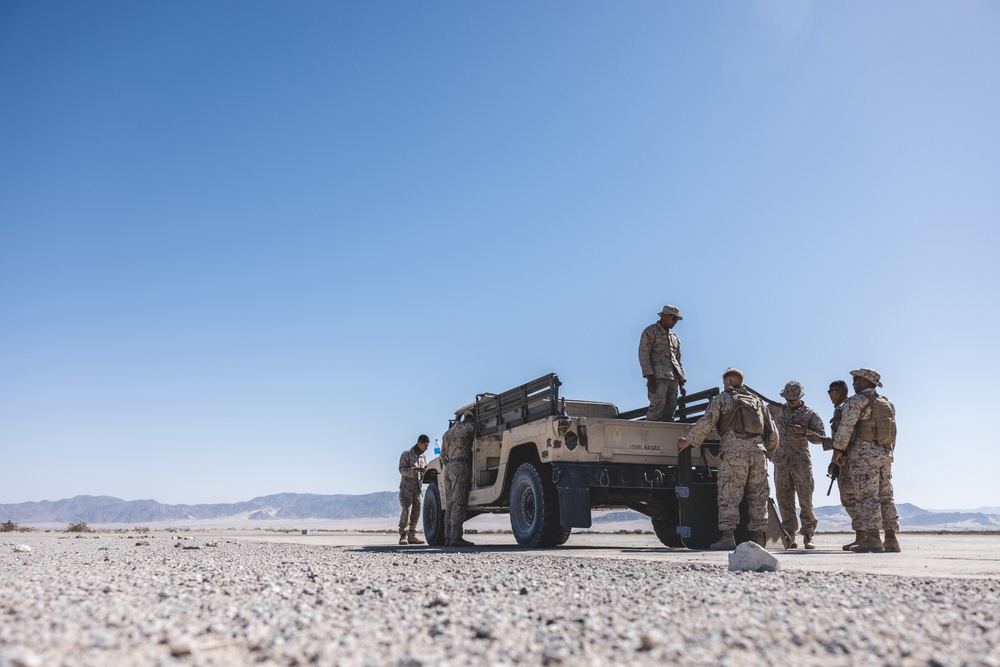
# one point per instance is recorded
(657, 478)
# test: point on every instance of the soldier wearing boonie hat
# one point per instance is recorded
(871, 462)
(797, 425)
(660, 361)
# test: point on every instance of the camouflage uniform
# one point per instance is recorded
(456, 453)
(844, 484)
(793, 472)
(870, 468)
(743, 469)
(410, 480)
(660, 358)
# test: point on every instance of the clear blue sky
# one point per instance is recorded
(258, 247)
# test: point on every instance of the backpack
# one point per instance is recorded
(745, 418)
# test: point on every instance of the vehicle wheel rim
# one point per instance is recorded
(527, 507)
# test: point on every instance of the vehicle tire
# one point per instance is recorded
(565, 536)
(433, 515)
(666, 531)
(534, 508)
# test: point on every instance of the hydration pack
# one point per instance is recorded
(745, 418)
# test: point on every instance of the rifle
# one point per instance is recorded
(833, 475)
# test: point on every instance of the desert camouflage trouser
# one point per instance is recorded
(791, 477)
(871, 474)
(663, 401)
(457, 480)
(409, 501)
(846, 486)
(743, 474)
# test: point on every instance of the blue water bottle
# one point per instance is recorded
(437, 447)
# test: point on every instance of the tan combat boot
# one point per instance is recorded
(872, 544)
(726, 543)
(760, 537)
(891, 544)
(402, 540)
(859, 536)
(807, 542)
(413, 539)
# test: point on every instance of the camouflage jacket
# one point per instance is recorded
(456, 443)
(723, 404)
(838, 415)
(790, 444)
(660, 354)
(409, 461)
(855, 408)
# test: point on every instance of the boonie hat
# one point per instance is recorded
(793, 391)
(868, 374)
(671, 310)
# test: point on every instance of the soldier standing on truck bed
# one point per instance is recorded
(412, 464)
(749, 438)
(868, 428)
(456, 454)
(798, 425)
(660, 360)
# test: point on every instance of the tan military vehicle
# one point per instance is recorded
(549, 462)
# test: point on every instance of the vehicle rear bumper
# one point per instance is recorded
(575, 481)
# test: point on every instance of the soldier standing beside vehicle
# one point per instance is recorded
(660, 360)
(456, 454)
(798, 425)
(838, 396)
(412, 464)
(749, 438)
(868, 429)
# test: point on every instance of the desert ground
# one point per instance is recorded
(357, 598)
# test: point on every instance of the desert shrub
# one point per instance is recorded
(8, 526)
(80, 527)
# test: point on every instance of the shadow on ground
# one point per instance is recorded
(513, 548)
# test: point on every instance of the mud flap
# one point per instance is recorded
(697, 508)
(574, 506)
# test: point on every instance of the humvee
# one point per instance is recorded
(549, 461)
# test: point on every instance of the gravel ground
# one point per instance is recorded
(158, 600)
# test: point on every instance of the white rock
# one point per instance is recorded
(751, 557)
(22, 549)
(17, 656)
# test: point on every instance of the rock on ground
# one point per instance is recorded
(751, 557)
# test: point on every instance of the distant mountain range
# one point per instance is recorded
(106, 509)
(912, 517)
(834, 519)
(285, 507)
